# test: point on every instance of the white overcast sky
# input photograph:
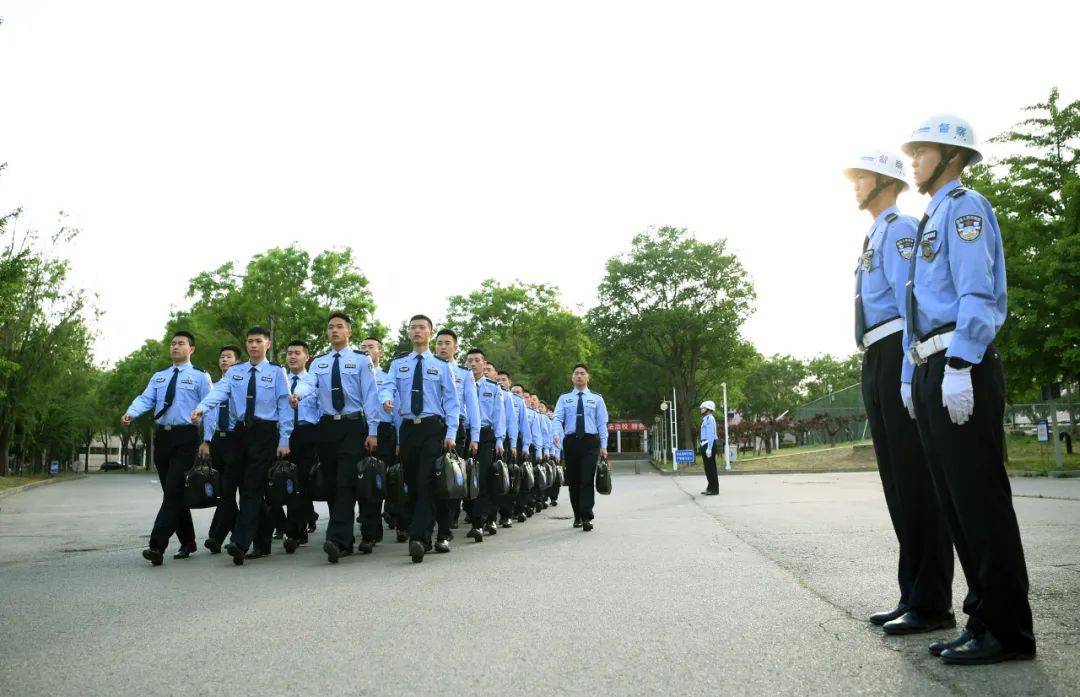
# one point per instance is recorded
(452, 141)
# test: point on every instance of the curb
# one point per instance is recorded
(33, 485)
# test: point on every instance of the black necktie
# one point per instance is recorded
(909, 289)
(170, 393)
(296, 409)
(579, 423)
(223, 416)
(337, 397)
(860, 317)
(249, 413)
(418, 388)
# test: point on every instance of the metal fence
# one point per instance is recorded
(846, 403)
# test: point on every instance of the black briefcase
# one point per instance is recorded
(370, 480)
(528, 477)
(396, 489)
(450, 476)
(202, 486)
(541, 476)
(550, 473)
(472, 478)
(560, 476)
(603, 478)
(500, 478)
(514, 470)
(283, 483)
(318, 486)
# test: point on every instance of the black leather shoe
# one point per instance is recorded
(476, 534)
(416, 551)
(520, 517)
(505, 523)
(554, 503)
(880, 618)
(333, 552)
(365, 547)
(577, 522)
(913, 622)
(529, 512)
(185, 552)
(980, 651)
(303, 539)
(708, 492)
(311, 527)
(442, 546)
(290, 545)
(543, 506)
(586, 525)
(257, 553)
(490, 529)
(402, 536)
(236, 553)
(960, 639)
(454, 524)
(213, 545)
(153, 556)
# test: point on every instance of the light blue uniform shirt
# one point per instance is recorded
(885, 266)
(524, 429)
(959, 273)
(596, 416)
(211, 420)
(545, 431)
(490, 405)
(557, 436)
(308, 410)
(357, 385)
(381, 377)
(532, 428)
(708, 430)
(271, 395)
(440, 394)
(192, 385)
(510, 416)
(466, 392)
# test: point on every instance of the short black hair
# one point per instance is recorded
(186, 334)
(423, 317)
(230, 347)
(339, 315)
(447, 332)
(476, 350)
(503, 372)
(582, 366)
(376, 339)
(301, 343)
(259, 329)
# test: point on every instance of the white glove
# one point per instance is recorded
(957, 395)
(708, 452)
(905, 397)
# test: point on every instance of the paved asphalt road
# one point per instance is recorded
(761, 590)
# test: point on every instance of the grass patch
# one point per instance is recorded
(1029, 455)
(14, 481)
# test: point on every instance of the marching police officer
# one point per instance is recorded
(925, 566)
(556, 452)
(468, 432)
(583, 416)
(386, 441)
(303, 447)
(422, 393)
(492, 433)
(219, 440)
(342, 382)
(515, 426)
(171, 393)
(708, 444)
(258, 393)
(956, 303)
(530, 439)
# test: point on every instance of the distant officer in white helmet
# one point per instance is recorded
(708, 447)
(955, 305)
(925, 566)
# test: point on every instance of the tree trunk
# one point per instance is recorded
(5, 445)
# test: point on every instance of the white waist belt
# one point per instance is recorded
(921, 350)
(881, 331)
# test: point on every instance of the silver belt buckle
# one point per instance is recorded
(913, 354)
(337, 417)
(167, 428)
(416, 420)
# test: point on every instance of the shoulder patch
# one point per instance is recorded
(891, 217)
(444, 360)
(957, 192)
(198, 369)
(969, 227)
(276, 365)
(905, 246)
(401, 354)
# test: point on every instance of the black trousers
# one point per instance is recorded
(421, 445)
(483, 507)
(371, 513)
(174, 454)
(925, 566)
(711, 478)
(341, 447)
(505, 503)
(525, 498)
(582, 454)
(968, 468)
(256, 450)
(303, 452)
(223, 455)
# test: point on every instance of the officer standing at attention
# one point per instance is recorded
(386, 442)
(925, 567)
(342, 382)
(220, 441)
(708, 443)
(259, 395)
(956, 303)
(303, 447)
(492, 432)
(468, 432)
(171, 393)
(512, 446)
(583, 416)
(428, 408)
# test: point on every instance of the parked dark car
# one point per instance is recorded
(108, 466)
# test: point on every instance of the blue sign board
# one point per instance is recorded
(54, 467)
(684, 456)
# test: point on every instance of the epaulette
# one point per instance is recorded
(276, 365)
(891, 217)
(597, 394)
(444, 360)
(401, 354)
(198, 369)
(957, 192)
(491, 381)
(362, 352)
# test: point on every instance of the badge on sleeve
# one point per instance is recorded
(969, 227)
(906, 247)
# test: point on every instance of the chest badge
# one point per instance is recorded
(867, 260)
(926, 246)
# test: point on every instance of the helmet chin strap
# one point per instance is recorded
(947, 154)
(882, 184)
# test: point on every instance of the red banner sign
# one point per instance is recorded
(626, 426)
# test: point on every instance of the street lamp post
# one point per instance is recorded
(727, 448)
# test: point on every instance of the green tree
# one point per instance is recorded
(773, 386)
(670, 308)
(827, 373)
(126, 381)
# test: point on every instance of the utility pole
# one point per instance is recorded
(727, 448)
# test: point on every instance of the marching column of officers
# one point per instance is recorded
(340, 406)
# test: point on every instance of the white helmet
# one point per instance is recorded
(882, 162)
(708, 404)
(945, 129)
